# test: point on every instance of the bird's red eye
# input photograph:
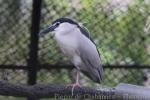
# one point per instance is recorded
(57, 23)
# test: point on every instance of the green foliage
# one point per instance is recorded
(119, 34)
(11, 98)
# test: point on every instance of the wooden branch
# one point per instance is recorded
(121, 92)
(53, 91)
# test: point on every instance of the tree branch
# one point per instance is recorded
(121, 92)
(53, 91)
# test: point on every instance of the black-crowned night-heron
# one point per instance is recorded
(75, 42)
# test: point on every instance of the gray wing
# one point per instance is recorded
(90, 58)
(85, 31)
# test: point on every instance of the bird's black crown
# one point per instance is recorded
(62, 20)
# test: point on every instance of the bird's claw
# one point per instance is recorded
(73, 86)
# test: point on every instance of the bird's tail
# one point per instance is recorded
(97, 74)
(100, 73)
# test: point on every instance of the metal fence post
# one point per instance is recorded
(33, 53)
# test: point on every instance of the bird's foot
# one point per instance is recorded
(73, 86)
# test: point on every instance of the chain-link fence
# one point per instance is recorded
(120, 28)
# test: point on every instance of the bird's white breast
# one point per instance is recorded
(68, 42)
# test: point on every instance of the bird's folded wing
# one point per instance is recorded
(91, 60)
(88, 53)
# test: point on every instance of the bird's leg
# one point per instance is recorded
(77, 79)
(76, 84)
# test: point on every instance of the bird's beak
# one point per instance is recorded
(47, 30)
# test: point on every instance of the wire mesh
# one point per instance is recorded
(117, 29)
(116, 26)
(15, 22)
(15, 31)
(120, 29)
